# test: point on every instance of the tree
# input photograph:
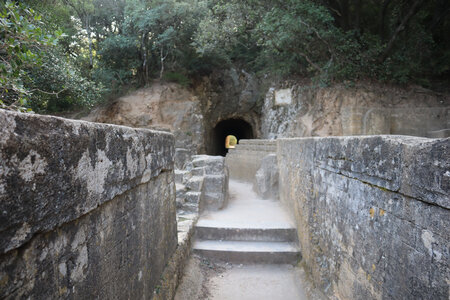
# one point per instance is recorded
(22, 42)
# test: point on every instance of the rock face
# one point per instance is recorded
(167, 107)
(372, 213)
(299, 111)
(266, 178)
(87, 210)
(229, 94)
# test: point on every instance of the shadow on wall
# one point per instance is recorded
(237, 127)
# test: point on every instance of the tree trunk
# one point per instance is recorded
(88, 30)
(412, 11)
(144, 56)
(384, 9)
(162, 63)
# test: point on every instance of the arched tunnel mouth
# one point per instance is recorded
(237, 127)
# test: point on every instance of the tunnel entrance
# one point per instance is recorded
(237, 127)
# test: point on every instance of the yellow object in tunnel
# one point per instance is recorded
(230, 142)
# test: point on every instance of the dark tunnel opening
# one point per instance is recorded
(237, 127)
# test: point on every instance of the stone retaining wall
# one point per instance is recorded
(244, 161)
(86, 210)
(372, 213)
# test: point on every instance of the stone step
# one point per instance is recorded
(248, 252)
(190, 207)
(195, 184)
(193, 197)
(246, 234)
(180, 176)
(199, 171)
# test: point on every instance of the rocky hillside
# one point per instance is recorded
(286, 109)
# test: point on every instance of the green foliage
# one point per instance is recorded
(177, 77)
(399, 41)
(115, 45)
(22, 42)
(73, 90)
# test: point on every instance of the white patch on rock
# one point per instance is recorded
(147, 172)
(29, 168)
(20, 236)
(8, 125)
(59, 244)
(62, 269)
(132, 164)
(43, 254)
(428, 240)
(80, 265)
(94, 176)
(283, 97)
(80, 238)
(140, 275)
(76, 127)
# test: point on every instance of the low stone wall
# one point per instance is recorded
(86, 210)
(372, 213)
(244, 161)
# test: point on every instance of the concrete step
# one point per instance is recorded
(248, 252)
(246, 234)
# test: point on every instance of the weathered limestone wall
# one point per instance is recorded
(372, 213)
(244, 161)
(303, 111)
(86, 210)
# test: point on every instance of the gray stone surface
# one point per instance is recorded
(205, 185)
(86, 210)
(372, 213)
(266, 178)
(182, 157)
(305, 111)
(244, 161)
(215, 182)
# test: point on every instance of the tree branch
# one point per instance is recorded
(412, 11)
(49, 93)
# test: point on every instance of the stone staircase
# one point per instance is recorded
(248, 230)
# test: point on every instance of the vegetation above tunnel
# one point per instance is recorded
(109, 46)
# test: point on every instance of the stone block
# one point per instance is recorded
(211, 164)
(200, 171)
(182, 157)
(193, 197)
(79, 202)
(371, 212)
(215, 183)
(195, 184)
(266, 178)
(214, 201)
